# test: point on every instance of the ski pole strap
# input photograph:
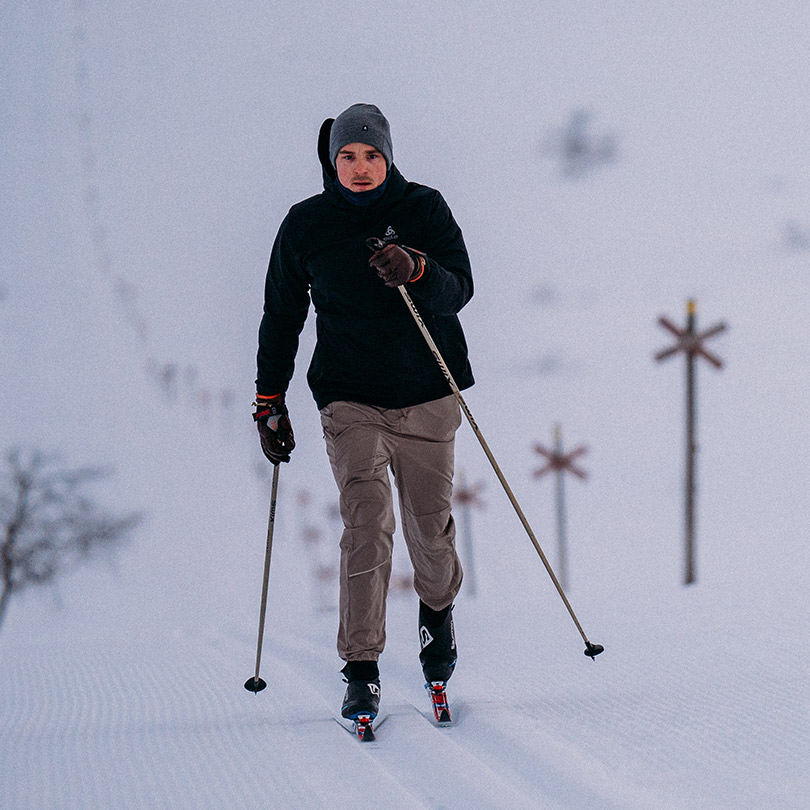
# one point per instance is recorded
(420, 262)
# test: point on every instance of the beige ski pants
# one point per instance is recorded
(416, 443)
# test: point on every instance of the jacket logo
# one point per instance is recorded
(390, 235)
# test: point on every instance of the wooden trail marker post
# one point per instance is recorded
(466, 497)
(690, 342)
(559, 462)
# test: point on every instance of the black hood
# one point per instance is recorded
(329, 173)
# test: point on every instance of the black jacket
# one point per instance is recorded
(369, 349)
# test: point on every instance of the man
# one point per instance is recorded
(383, 399)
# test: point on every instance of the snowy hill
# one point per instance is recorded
(152, 152)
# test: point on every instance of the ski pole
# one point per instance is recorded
(591, 650)
(256, 684)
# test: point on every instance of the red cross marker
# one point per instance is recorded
(464, 495)
(689, 341)
(557, 461)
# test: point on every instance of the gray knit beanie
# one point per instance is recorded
(361, 123)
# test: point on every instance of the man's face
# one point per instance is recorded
(360, 167)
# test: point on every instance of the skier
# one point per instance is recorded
(384, 402)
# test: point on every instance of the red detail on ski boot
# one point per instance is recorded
(438, 697)
(364, 728)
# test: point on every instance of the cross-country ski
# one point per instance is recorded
(437, 690)
(363, 727)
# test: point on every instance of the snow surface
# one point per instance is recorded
(152, 149)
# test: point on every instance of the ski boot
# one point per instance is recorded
(438, 641)
(438, 656)
(361, 703)
(363, 690)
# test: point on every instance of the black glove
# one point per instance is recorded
(396, 265)
(275, 430)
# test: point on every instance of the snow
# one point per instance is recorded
(153, 152)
